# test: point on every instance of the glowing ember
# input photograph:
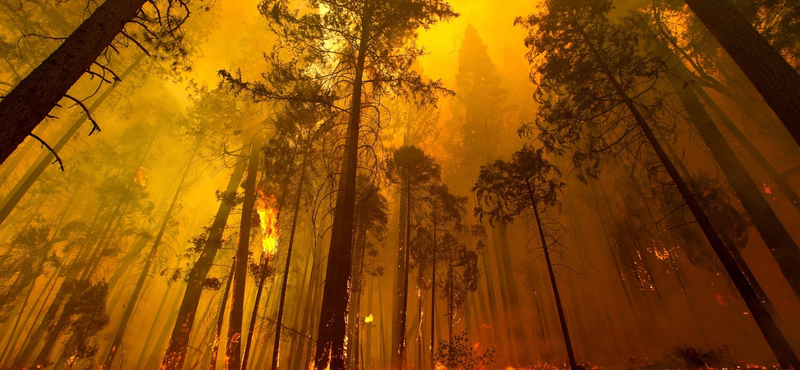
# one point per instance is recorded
(368, 319)
(720, 300)
(767, 189)
(269, 223)
(661, 254)
(141, 177)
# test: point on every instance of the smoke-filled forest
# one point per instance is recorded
(399, 184)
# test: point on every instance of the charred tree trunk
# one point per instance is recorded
(433, 288)
(780, 181)
(357, 291)
(175, 355)
(262, 278)
(403, 309)
(564, 330)
(212, 365)
(770, 73)
(769, 226)
(33, 98)
(233, 352)
(335, 297)
(397, 297)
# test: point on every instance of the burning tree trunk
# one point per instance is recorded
(770, 73)
(233, 350)
(175, 355)
(33, 98)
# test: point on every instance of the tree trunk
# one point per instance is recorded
(433, 290)
(221, 320)
(282, 302)
(175, 355)
(518, 331)
(46, 158)
(769, 226)
(780, 181)
(297, 360)
(770, 73)
(33, 98)
(335, 296)
(402, 313)
(233, 352)
(564, 330)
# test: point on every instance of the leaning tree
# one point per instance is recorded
(595, 100)
(529, 183)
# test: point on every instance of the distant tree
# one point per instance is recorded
(446, 212)
(19, 265)
(529, 182)
(479, 107)
(372, 218)
(89, 317)
(411, 171)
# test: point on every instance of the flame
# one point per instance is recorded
(269, 223)
(661, 255)
(141, 177)
(368, 319)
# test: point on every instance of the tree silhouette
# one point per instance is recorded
(369, 45)
(411, 171)
(506, 190)
(591, 87)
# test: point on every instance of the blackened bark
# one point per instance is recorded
(175, 355)
(336, 295)
(780, 180)
(33, 98)
(564, 330)
(212, 365)
(769, 226)
(233, 351)
(770, 73)
(403, 312)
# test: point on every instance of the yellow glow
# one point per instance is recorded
(269, 223)
(368, 319)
